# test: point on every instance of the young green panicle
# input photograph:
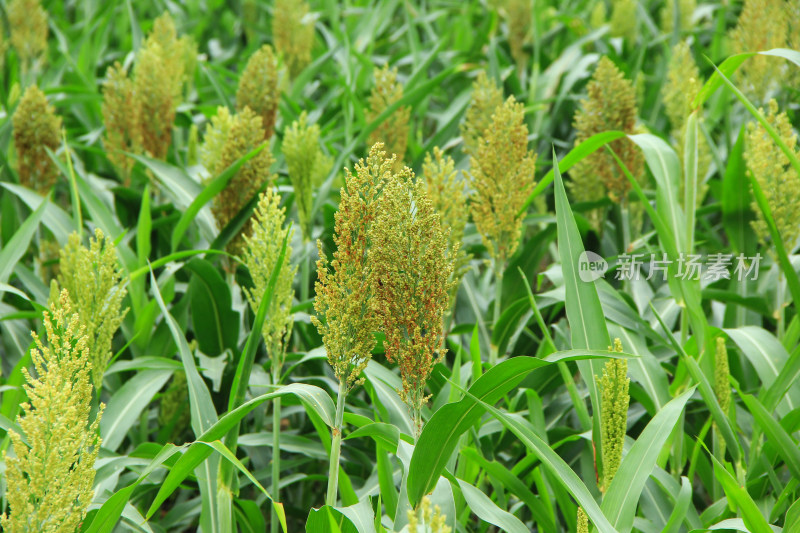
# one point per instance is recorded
(722, 384)
(27, 20)
(427, 520)
(762, 26)
(502, 172)
(229, 138)
(775, 175)
(680, 11)
(486, 98)
(345, 289)
(50, 477)
(614, 414)
(610, 105)
(293, 33)
(93, 279)
(518, 15)
(173, 409)
(262, 249)
(413, 267)
(449, 199)
(36, 128)
(623, 19)
(179, 55)
(392, 132)
(121, 112)
(307, 164)
(583, 521)
(259, 88)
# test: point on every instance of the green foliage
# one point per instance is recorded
(37, 128)
(51, 474)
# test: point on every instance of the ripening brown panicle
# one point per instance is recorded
(775, 175)
(36, 128)
(763, 25)
(156, 100)
(121, 112)
(486, 98)
(392, 132)
(49, 481)
(229, 138)
(345, 288)
(259, 88)
(501, 175)
(610, 105)
(27, 20)
(293, 33)
(413, 268)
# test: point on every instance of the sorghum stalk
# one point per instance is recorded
(336, 446)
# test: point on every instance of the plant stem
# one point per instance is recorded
(336, 447)
(276, 449)
(305, 271)
(779, 315)
(498, 294)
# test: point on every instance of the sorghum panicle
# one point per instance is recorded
(229, 138)
(36, 128)
(425, 520)
(413, 272)
(501, 174)
(518, 15)
(392, 132)
(486, 98)
(93, 279)
(762, 25)
(449, 199)
(722, 385)
(345, 288)
(685, 11)
(174, 406)
(121, 118)
(583, 521)
(610, 105)
(597, 17)
(307, 165)
(613, 414)
(261, 250)
(623, 19)
(50, 479)
(259, 88)
(775, 175)
(27, 20)
(293, 33)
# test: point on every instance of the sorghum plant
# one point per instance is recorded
(613, 414)
(623, 19)
(50, 477)
(293, 33)
(583, 521)
(259, 88)
(610, 105)
(36, 128)
(345, 290)
(486, 98)
(121, 112)
(449, 199)
(680, 11)
(762, 26)
(229, 138)
(173, 410)
(425, 520)
(501, 174)
(307, 165)
(393, 132)
(27, 20)
(93, 281)
(413, 268)
(518, 15)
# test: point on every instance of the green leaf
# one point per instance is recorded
(16, 247)
(736, 212)
(781, 441)
(488, 511)
(55, 219)
(215, 323)
(738, 496)
(143, 228)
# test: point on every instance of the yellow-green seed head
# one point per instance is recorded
(413, 272)
(293, 33)
(449, 199)
(392, 132)
(174, 406)
(613, 414)
(486, 98)
(583, 521)
(345, 288)
(722, 386)
(425, 520)
(502, 177)
(27, 20)
(49, 479)
(623, 19)
(763, 25)
(36, 128)
(155, 98)
(121, 117)
(262, 249)
(518, 15)
(610, 105)
(308, 166)
(597, 18)
(259, 88)
(777, 178)
(229, 138)
(93, 279)
(685, 10)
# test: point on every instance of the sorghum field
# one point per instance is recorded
(400, 266)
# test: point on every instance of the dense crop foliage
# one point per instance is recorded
(437, 266)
